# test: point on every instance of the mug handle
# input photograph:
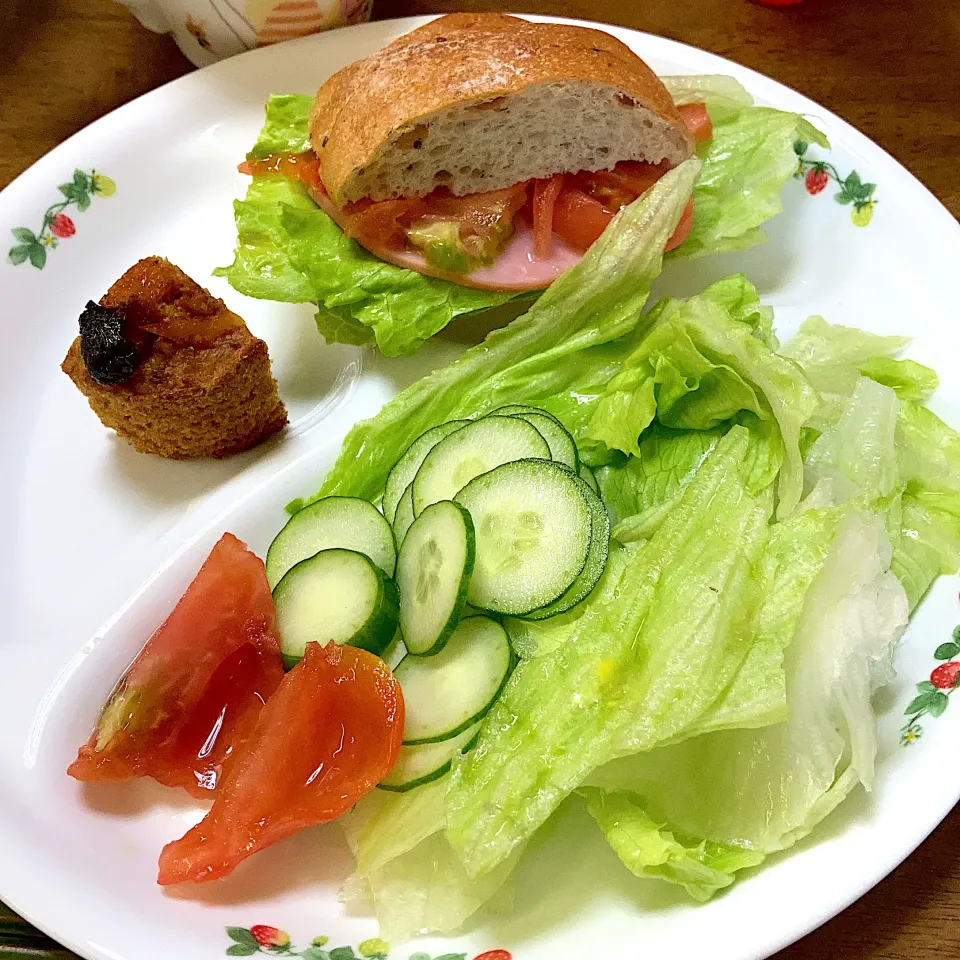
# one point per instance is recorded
(149, 13)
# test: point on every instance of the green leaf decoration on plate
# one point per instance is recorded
(276, 942)
(57, 225)
(817, 174)
(933, 695)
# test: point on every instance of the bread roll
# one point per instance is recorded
(477, 102)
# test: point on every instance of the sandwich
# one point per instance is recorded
(501, 152)
(474, 160)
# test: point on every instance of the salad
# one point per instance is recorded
(645, 559)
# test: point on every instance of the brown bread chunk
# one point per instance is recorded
(203, 386)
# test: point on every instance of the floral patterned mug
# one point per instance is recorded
(209, 30)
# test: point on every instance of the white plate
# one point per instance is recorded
(88, 527)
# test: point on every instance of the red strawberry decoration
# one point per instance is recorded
(945, 676)
(269, 937)
(494, 955)
(62, 226)
(816, 180)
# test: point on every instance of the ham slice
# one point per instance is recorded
(515, 270)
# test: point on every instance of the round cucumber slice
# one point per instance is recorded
(445, 694)
(563, 449)
(433, 572)
(337, 595)
(405, 469)
(404, 517)
(426, 762)
(515, 409)
(533, 527)
(586, 475)
(592, 570)
(347, 522)
(474, 449)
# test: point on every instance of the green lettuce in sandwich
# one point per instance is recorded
(473, 161)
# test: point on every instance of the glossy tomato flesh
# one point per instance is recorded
(589, 201)
(545, 193)
(329, 735)
(697, 121)
(192, 696)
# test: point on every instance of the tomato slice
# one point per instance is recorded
(384, 222)
(297, 166)
(191, 698)
(545, 193)
(695, 116)
(585, 208)
(330, 733)
(684, 226)
(578, 218)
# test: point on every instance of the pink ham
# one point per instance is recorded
(515, 269)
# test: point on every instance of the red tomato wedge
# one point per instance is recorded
(545, 193)
(192, 697)
(695, 116)
(330, 733)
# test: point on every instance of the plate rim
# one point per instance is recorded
(855, 140)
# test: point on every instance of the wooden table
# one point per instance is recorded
(890, 67)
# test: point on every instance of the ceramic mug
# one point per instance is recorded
(209, 30)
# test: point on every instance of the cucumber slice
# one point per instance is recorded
(474, 449)
(592, 569)
(347, 522)
(563, 449)
(586, 475)
(433, 572)
(515, 409)
(404, 517)
(394, 651)
(338, 595)
(446, 693)
(427, 762)
(533, 526)
(405, 469)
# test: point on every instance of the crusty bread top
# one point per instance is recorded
(467, 62)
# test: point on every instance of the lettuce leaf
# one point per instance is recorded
(745, 166)
(537, 638)
(654, 480)
(286, 126)
(288, 249)
(639, 669)
(261, 267)
(834, 358)
(398, 307)
(794, 556)
(762, 790)
(539, 354)
(928, 454)
(405, 868)
(700, 365)
(858, 455)
(723, 96)
(701, 867)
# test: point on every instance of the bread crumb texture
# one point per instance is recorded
(480, 102)
(184, 400)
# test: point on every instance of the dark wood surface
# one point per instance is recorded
(890, 67)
